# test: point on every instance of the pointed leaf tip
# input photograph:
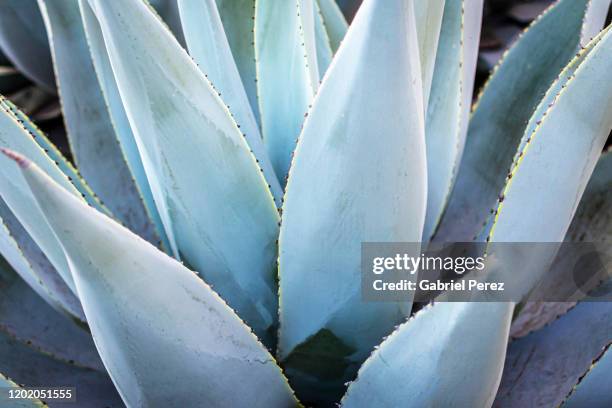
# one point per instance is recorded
(165, 337)
(21, 160)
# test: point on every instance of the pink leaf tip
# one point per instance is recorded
(19, 159)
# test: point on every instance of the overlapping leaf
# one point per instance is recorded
(324, 51)
(165, 337)
(210, 49)
(123, 130)
(31, 368)
(211, 194)
(529, 213)
(591, 224)
(593, 390)
(449, 102)
(90, 131)
(26, 317)
(333, 21)
(542, 368)
(285, 78)
(502, 112)
(23, 39)
(428, 15)
(449, 354)
(26, 258)
(238, 17)
(545, 186)
(356, 177)
(18, 403)
(17, 196)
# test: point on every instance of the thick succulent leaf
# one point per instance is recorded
(543, 190)
(592, 223)
(449, 354)
(26, 258)
(502, 112)
(334, 22)
(165, 337)
(19, 403)
(16, 194)
(594, 20)
(549, 97)
(553, 149)
(324, 50)
(335, 200)
(428, 14)
(54, 154)
(238, 17)
(209, 188)
(168, 11)
(210, 49)
(90, 131)
(306, 10)
(284, 76)
(24, 41)
(31, 368)
(449, 102)
(541, 368)
(123, 130)
(593, 390)
(29, 319)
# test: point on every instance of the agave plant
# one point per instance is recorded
(242, 150)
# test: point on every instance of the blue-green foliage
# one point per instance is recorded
(196, 124)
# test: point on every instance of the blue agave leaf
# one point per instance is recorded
(211, 193)
(25, 316)
(448, 354)
(544, 188)
(119, 119)
(428, 15)
(540, 112)
(333, 21)
(593, 390)
(357, 176)
(20, 403)
(29, 367)
(592, 224)
(53, 153)
(286, 72)
(16, 194)
(24, 41)
(542, 367)
(449, 102)
(26, 258)
(594, 20)
(502, 112)
(554, 165)
(527, 213)
(168, 10)
(165, 337)
(238, 17)
(210, 49)
(90, 131)
(307, 18)
(549, 97)
(323, 45)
